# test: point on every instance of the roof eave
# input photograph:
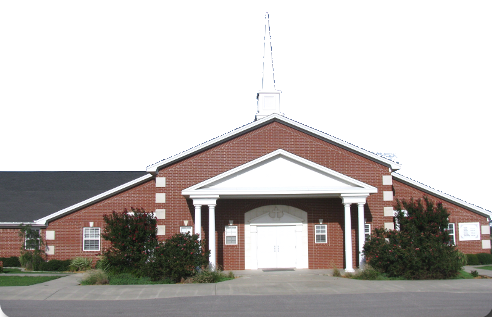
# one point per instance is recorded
(93, 200)
(154, 168)
(481, 211)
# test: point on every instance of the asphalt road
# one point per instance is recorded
(421, 304)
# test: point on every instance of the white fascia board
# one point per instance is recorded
(195, 189)
(266, 120)
(15, 225)
(444, 196)
(94, 199)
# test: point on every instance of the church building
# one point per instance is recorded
(273, 193)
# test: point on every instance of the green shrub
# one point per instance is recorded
(368, 273)
(31, 260)
(95, 277)
(13, 261)
(130, 279)
(133, 240)
(55, 265)
(32, 246)
(420, 249)
(472, 259)
(80, 264)
(208, 275)
(474, 273)
(336, 272)
(181, 256)
(484, 258)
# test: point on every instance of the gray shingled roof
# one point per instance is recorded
(27, 196)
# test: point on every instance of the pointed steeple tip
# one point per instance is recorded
(268, 98)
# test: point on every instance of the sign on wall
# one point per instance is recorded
(469, 231)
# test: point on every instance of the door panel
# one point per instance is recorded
(286, 246)
(276, 246)
(266, 247)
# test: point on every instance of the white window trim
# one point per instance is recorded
(93, 239)
(321, 234)
(26, 238)
(186, 229)
(367, 231)
(235, 235)
(454, 232)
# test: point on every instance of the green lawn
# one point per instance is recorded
(488, 267)
(24, 280)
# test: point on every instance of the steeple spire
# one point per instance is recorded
(268, 98)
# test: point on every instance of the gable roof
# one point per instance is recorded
(267, 176)
(443, 196)
(25, 196)
(154, 168)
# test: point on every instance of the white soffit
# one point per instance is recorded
(279, 173)
(264, 121)
(95, 199)
(444, 196)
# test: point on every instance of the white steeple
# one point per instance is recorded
(268, 98)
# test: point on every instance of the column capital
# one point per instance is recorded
(354, 198)
(204, 199)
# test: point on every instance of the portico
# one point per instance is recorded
(280, 174)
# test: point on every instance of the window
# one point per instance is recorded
(452, 233)
(185, 230)
(92, 237)
(367, 231)
(320, 234)
(31, 239)
(231, 235)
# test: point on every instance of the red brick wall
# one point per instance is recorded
(255, 144)
(457, 215)
(9, 243)
(68, 229)
(221, 158)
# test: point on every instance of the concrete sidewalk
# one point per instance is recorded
(255, 282)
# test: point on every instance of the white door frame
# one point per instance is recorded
(276, 215)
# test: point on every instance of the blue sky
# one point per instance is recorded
(119, 85)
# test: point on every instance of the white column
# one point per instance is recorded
(198, 221)
(211, 235)
(362, 236)
(348, 239)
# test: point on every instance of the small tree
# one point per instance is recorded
(133, 238)
(181, 256)
(32, 248)
(420, 249)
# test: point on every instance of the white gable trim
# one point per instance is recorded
(264, 121)
(444, 196)
(359, 187)
(94, 199)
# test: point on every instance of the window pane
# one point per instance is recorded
(321, 238)
(91, 245)
(230, 240)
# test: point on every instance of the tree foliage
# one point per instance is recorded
(133, 238)
(180, 257)
(420, 249)
(32, 251)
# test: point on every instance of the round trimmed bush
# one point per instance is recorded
(472, 259)
(484, 258)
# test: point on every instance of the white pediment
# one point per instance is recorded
(280, 173)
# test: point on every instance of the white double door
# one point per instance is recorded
(276, 246)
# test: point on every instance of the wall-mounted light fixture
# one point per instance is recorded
(185, 222)
(320, 221)
(230, 222)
